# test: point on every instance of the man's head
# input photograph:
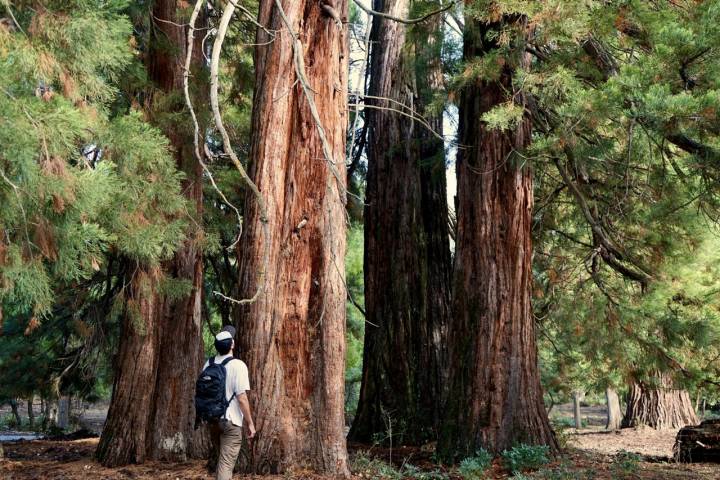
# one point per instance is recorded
(224, 340)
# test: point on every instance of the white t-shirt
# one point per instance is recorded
(236, 382)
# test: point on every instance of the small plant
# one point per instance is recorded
(372, 468)
(565, 471)
(473, 468)
(8, 421)
(525, 457)
(412, 472)
(562, 433)
(626, 464)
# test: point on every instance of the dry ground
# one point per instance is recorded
(72, 460)
(591, 453)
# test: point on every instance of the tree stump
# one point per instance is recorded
(699, 443)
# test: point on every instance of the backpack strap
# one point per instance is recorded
(224, 363)
(211, 361)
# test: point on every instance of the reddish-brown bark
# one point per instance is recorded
(407, 252)
(495, 397)
(152, 413)
(125, 433)
(293, 336)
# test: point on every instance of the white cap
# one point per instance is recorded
(223, 336)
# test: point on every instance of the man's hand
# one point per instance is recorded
(247, 416)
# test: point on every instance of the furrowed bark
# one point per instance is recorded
(659, 405)
(293, 335)
(407, 253)
(172, 435)
(124, 435)
(495, 396)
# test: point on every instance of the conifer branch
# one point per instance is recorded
(609, 251)
(406, 21)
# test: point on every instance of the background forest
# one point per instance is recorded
(433, 223)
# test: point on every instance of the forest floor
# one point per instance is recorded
(591, 453)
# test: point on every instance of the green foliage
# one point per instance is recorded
(619, 85)
(625, 464)
(504, 117)
(565, 471)
(90, 195)
(355, 318)
(525, 457)
(368, 467)
(474, 468)
(373, 468)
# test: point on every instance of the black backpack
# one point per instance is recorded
(210, 400)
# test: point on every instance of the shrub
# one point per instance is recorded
(412, 472)
(473, 468)
(376, 469)
(9, 421)
(562, 432)
(373, 468)
(626, 463)
(525, 457)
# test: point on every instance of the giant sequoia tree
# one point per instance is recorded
(495, 397)
(293, 243)
(627, 117)
(151, 413)
(407, 253)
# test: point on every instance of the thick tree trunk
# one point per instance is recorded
(180, 343)
(495, 398)
(577, 396)
(614, 414)
(407, 252)
(160, 424)
(658, 406)
(293, 335)
(125, 434)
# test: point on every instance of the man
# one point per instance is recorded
(227, 433)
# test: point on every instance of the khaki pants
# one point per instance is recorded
(227, 438)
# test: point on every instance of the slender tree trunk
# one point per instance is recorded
(15, 411)
(495, 398)
(407, 252)
(45, 411)
(293, 335)
(614, 414)
(31, 413)
(160, 424)
(63, 417)
(577, 395)
(658, 405)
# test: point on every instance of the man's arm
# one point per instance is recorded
(247, 416)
